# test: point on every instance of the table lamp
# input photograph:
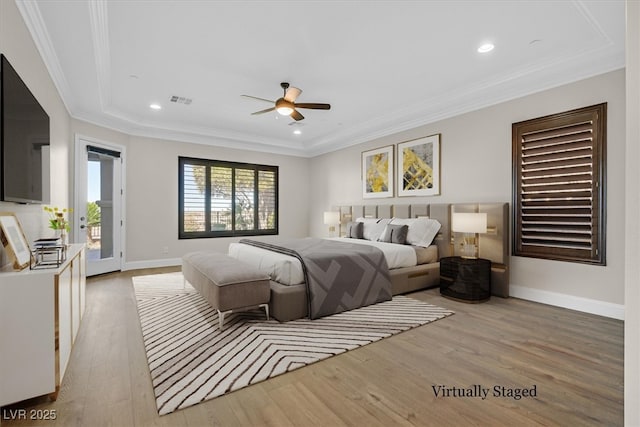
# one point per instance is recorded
(332, 218)
(470, 224)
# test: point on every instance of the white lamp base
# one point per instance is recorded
(469, 247)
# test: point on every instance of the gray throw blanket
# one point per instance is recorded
(339, 276)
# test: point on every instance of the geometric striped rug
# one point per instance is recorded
(191, 360)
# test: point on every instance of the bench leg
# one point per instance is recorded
(221, 314)
(266, 309)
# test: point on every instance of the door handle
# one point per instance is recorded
(83, 226)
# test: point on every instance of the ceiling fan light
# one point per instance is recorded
(486, 48)
(284, 107)
(284, 110)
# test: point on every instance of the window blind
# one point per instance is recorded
(223, 199)
(267, 189)
(105, 151)
(559, 165)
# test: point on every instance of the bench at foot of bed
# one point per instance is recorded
(227, 284)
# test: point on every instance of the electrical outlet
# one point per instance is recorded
(165, 249)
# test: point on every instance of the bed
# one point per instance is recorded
(409, 267)
(317, 277)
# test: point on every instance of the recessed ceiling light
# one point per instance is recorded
(487, 47)
(155, 106)
(297, 132)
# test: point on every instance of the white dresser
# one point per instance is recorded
(40, 314)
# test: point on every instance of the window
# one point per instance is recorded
(559, 186)
(222, 199)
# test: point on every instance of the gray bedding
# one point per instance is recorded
(339, 276)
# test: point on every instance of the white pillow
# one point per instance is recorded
(421, 232)
(372, 228)
(368, 220)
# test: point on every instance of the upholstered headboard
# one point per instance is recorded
(494, 245)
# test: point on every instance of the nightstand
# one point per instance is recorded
(465, 279)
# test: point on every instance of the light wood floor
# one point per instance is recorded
(574, 360)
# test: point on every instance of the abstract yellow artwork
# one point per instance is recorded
(377, 168)
(419, 167)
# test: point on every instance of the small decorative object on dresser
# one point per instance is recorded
(465, 279)
(58, 222)
(48, 253)
(13, 240)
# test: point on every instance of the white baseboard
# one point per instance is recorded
(154, 263)
(601, 308)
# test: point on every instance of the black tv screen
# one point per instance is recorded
(24, 141)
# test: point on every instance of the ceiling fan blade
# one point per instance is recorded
(292, 93)
(314, 106)
(259, 99)
(296, 116)
(263, 111)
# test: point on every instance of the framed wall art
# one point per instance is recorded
(377, 173)
(419, 167)
(14, 241)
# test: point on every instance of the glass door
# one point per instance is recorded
(98, 210)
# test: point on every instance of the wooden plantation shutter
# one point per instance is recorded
(559, 186)
(224, 199)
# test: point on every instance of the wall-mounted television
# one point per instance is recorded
(24, 141)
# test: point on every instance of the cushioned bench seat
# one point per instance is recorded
(227, 284)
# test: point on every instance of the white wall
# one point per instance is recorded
(18, 46)
(632, 271)
(152, 197)
(151, 194)
(476, 166)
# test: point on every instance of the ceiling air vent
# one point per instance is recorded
(181, 100)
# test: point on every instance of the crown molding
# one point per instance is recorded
(500, 89)
(196, 136)
(588, 16)
(35, 24)
(99, 23)
(597, 59)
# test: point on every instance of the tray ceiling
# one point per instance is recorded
(384, 66)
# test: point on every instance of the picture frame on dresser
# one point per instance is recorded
(14, 240)
(419, 167)
(377, 173)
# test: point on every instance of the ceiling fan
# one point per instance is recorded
(287, 104)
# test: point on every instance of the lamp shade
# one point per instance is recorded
(332, 218)
(469, 222)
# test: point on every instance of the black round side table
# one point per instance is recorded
(465, 279)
